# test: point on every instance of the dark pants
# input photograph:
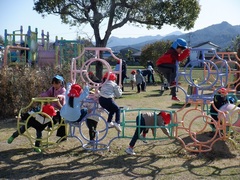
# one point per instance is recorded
(169, 71)
(150, 77)
(141, 87)
(31, 123)
(138, 131)
(92, 125)
(61, 132)
(111, 107)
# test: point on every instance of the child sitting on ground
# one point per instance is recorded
(38, 122)
(148, 119)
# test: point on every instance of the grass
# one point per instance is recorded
(159, 159)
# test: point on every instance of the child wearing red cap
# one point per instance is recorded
(71, 110)
(148, 119)
(37, 121)
(108, 92)
(133, 78)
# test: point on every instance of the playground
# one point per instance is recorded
(31, 47)
(188, 149)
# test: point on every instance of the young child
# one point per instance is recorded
(94, 114)
(148, 119)
(108, 92)
(218, 101)
(167, 65)
(133, 78)
(140, 81)
(71, 110)
(38, 121)
(57, 90)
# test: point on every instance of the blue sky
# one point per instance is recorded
(15, 13)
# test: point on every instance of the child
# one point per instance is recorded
(167, 65)
(94, 114)
(71, 110)
(148, 119)
(133, 79)
(38, 122)
(57, 90)
(108, 92)
(218, 101)
(140, 81)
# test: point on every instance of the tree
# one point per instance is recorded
(115, 14)
(153, 51)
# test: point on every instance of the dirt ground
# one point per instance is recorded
(158, 159)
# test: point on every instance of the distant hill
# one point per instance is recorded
(219, 34)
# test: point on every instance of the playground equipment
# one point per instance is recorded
(47, 140)
(18, 54)
(181, 127)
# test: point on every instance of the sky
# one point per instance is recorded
(16, 13)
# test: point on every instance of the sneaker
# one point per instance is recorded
(110, 124)
(143, 139)
(175, 98)
(118, 127)
(130, 151)
(10, 140)
(38, 150)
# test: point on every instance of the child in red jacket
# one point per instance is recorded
(168, 63)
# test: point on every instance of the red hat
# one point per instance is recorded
(133, 72)
(90, 73)
(223, 91)
(49, 109)
(75, 90)
(166, 117)
(112, 76)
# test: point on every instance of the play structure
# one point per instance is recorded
(217, 73)
(31, 48)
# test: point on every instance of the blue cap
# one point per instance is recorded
(179, 42)
(59, 77)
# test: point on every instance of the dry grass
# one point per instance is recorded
(165, 159)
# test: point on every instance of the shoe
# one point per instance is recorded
(38, 150)
(175, 98)
(117, 127)
(130, 151)
(143, 139)
(10, 140)
(61, 140)
(110, 124)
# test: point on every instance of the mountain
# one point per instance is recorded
(219, 34)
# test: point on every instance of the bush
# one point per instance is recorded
(19, 84)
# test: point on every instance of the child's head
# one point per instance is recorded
(138, 71)
(75, 91)
(49, 110)
(57, 81)
(179, 45)
(165, 116)
(133, 72)
(112, 76)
